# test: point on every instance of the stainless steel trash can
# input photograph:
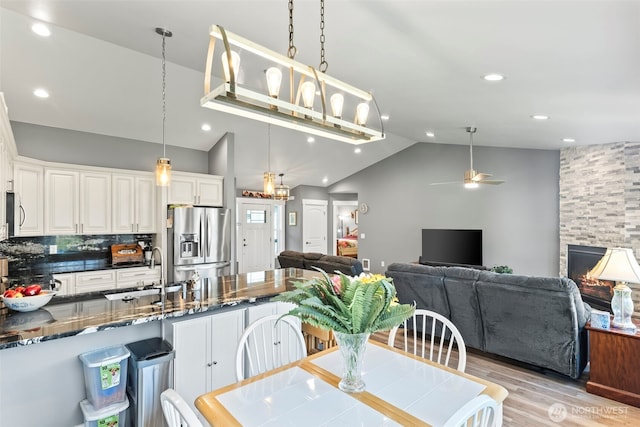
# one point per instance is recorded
(150, 373)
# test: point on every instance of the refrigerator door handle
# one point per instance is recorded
(200, 254)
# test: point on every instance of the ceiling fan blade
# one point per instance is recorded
(479, 176)
(491, 182)
(446, 183)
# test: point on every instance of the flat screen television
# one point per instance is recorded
(452, 246)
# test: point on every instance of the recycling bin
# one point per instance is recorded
(150, 373)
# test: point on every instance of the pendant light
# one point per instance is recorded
(282, 191)
(163, 165)
(269, 177)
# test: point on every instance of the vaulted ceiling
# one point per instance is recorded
(576, 61)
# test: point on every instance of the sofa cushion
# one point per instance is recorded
(421, 284)
(460, 286)
(449, 264)
(532, 319)
(312, 255)
(291, 259)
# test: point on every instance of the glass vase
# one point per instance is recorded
(352, 347)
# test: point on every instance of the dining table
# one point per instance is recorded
(401, 389)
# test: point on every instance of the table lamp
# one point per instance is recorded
(619, 265)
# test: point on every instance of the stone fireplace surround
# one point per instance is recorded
(600, 200)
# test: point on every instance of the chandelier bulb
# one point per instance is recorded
(235, 64)
(274, 79)
(308, 93)
(362, 111)
(337, 102)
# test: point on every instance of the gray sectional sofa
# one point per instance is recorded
(536, 320)
(329, 263)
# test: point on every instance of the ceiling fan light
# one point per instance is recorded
(471, 184)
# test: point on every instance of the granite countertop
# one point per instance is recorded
(70, 316)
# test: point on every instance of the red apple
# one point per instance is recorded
(9, 293)
(20, 289)
(32, 290)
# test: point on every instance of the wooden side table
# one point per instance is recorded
(614, 356)
(317, 339)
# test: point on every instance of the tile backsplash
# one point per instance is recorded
(31, 257)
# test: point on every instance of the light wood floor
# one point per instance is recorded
(533, 394)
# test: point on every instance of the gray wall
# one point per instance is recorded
(519, 218)
(82, 148)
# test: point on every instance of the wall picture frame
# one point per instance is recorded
(293, 218)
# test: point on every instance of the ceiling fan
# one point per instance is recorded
(472, 178)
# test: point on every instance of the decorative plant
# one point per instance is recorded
(502, 269)
(351, 305)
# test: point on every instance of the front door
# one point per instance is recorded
(314, 226)
(255, 242)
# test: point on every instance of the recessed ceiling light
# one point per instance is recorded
(430, 134)
(540, 117)
(41, 29)
(384, 117)
(568, 140)
(493, 77)
(325, 180)
(41, 93)
(358, 150)
(311, 139)
(206, 127)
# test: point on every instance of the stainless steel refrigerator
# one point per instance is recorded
(199, 243)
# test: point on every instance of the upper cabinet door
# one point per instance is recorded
(182, 189)
(61, 202)
(29, 197)
(95, 203)
(145, 204)
(123, 204)
(210, 192)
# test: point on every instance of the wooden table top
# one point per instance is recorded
(402, 389)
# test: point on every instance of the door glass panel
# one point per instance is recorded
(256, 217)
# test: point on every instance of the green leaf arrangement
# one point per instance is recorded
(350, 305)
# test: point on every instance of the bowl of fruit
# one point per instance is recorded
(26, 298)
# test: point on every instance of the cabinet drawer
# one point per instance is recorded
(134, 277)
(92, 281)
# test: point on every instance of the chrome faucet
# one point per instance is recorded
(152, 265)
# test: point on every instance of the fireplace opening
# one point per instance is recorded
(580, 260)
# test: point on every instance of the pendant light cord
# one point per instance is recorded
(269, 148)
(164, 107)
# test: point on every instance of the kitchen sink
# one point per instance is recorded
(129, 295)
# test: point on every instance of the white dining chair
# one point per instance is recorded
(176, 411)
(268, 343)
(481, 411)
(437, 334)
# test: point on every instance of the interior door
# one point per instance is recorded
(314, 226)
(256, 250)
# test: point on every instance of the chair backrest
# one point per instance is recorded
(481, 411)
(176, 410)
(268, 343)
(435, 336)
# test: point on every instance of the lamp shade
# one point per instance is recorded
(617, 264)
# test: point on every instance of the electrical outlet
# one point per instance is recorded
(381, 263)
(53, 249)
(362, 235)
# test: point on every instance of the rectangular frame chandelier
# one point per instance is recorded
(234, 98)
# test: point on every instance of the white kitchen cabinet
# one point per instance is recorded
(62, 201)
(94, 281)
(205, 353)
(67, 285)
(199, 189)
(133, 204)
(135, 277)
(95, 203)
(29, 199)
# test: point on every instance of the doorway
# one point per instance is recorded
(260, 234)
(345, 228)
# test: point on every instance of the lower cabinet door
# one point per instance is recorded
(205, 353)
